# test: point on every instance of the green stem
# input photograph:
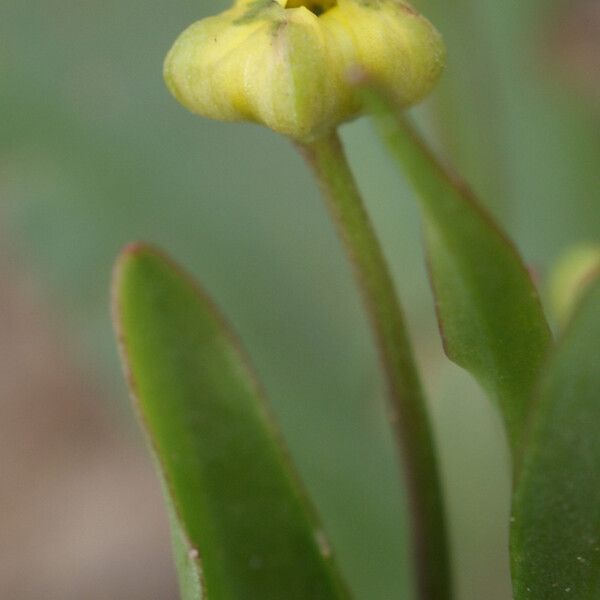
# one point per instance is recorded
(411, 424)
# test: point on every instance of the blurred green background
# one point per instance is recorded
(95, 153)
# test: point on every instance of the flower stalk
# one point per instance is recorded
(410, 421)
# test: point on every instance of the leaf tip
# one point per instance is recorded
(132, 251)
(128, 257)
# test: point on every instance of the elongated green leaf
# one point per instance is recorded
(241, 524)
(556, 510)
(488, 309)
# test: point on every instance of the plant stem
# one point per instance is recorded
(411, 424)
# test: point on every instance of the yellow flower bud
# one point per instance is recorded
(285, 63)
(570, 276)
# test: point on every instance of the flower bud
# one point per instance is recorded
(285, 63)
(572, 273)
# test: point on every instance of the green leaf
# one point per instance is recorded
(237, 507)
(488, 309)
(556, 510)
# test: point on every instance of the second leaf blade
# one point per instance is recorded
(490, 316)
